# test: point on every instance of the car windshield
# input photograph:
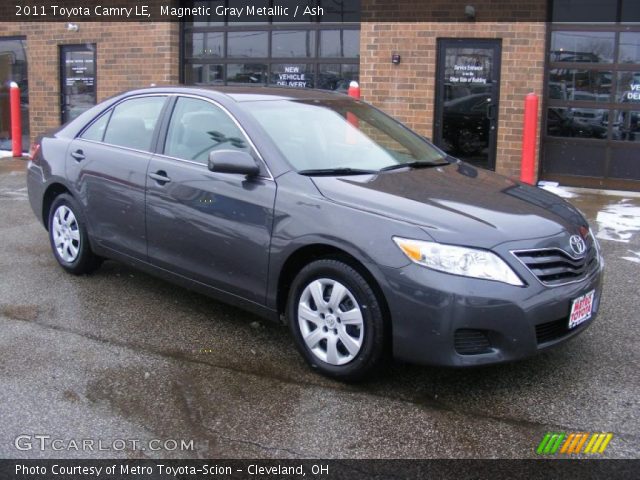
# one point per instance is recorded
(340, 135)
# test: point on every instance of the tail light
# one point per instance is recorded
(33, 152)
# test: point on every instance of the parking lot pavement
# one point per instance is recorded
(120, 355)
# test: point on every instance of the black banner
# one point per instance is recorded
(317, 469)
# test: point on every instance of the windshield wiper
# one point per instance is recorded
(413, 165)
(336, 171)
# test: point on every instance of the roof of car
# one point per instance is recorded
(251, 93)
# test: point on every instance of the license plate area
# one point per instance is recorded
(581, 309)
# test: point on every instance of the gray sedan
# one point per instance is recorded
(321, 211)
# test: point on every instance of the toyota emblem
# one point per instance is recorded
(577, 245)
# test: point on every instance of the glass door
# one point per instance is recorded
(77, 79)
(467, 96)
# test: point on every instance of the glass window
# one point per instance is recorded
(577, 122)
(293, 43)
(198, 127)
(628, 87)
(629, 50)
(205, 44)
(630, 11)
(337, 76)
(133, 121)
(580, 85)
(340, 43)
(248, 44)
(198, 74)
(584, 10)
(625, 126)
(248, 73)
(582, 47)
(96, 131)
(292, 75)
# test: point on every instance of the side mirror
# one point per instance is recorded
(233, 161)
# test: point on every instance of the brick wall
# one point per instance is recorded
(407, 91)
(129, 55)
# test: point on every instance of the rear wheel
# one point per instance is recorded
(68, 237)
(336, 320)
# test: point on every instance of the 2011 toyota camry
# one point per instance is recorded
(322, 211)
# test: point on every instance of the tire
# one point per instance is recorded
(345, 351)
(68, 237)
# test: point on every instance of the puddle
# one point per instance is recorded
(27, 313)
(618, 222)
(13, 193)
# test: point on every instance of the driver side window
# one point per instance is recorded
(198, 127)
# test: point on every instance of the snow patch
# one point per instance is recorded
(618, 222)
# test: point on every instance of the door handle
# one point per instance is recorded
(160, 176)
(78, 155)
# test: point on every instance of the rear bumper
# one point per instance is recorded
(441, 319)
(35, 187)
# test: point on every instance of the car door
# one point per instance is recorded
(214, 228)
(108, 165)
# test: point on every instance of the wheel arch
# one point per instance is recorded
(52, 191)
(301, 257)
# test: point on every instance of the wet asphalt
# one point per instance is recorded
(120, 355)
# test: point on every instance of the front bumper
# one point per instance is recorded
(434, 315)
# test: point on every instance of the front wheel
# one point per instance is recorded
(336, 320)
(68, 237)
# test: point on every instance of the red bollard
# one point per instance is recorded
(354, 90)
(529, 133)
(16, 120)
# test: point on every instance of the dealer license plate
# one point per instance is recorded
(581, 309)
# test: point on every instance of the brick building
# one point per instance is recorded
(455, 71)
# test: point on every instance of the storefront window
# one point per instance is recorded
(582, 47)
(198, 74)
(13, 68)
(207, 44)
(293, 43)
(629, 47)
(317, 53)
(248, 44)
(628, 87)
(625, 125)
(593, 93)
(292, 75)
(247, 73)
(580, 85)
(577, 122)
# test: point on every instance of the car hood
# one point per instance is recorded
(457, 203)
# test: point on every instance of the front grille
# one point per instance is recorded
(553, 266)
(471, 342)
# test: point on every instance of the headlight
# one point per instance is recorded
(468, 262)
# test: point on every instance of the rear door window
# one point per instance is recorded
(133, 122)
